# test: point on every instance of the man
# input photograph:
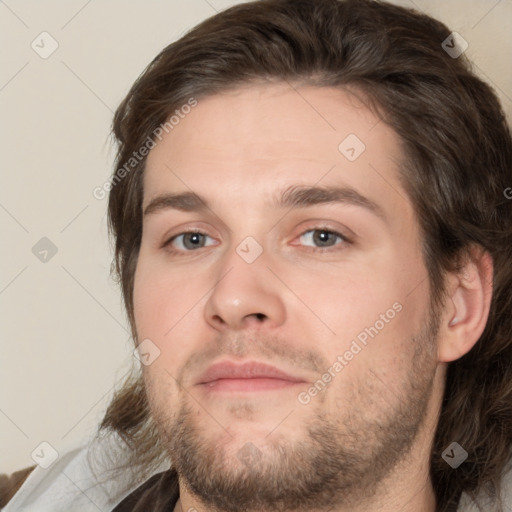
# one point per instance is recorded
(313, 239)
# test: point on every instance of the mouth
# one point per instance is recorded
(251, 376)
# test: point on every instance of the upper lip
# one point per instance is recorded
(247, 370)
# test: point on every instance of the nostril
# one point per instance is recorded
(219, 319)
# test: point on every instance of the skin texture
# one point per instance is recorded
(363, 441)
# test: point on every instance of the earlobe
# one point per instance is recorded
(466, 307)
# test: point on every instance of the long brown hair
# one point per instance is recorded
(456, 170)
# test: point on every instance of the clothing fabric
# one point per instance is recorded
(83, 479)
(74, 483)
(159, 494)
(9, 484)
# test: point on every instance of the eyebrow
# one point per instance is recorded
(296, 196)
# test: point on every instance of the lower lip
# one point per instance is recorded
(257, 384)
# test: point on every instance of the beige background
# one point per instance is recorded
(64, 335)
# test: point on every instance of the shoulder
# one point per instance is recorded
(85, 477)
(159, 494)
(9, 484)
(23, 488)
(484, 503)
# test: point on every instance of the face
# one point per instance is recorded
(280, 277)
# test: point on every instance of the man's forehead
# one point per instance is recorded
(267, 120)
(275, 133)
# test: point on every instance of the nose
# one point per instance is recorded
(245, 295)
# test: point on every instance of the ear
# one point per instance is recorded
(467, 304)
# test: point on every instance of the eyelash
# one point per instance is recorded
(343, 238)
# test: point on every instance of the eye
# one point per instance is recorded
(318, 238)
(322, 237)
(188, 241)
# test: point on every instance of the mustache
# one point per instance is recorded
(271, 349)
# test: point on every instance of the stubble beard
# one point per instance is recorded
(339, 462)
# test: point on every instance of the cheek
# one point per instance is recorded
(165, 304)
(356, 296)
(157, 318)
(160, 297)
(371, 310)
